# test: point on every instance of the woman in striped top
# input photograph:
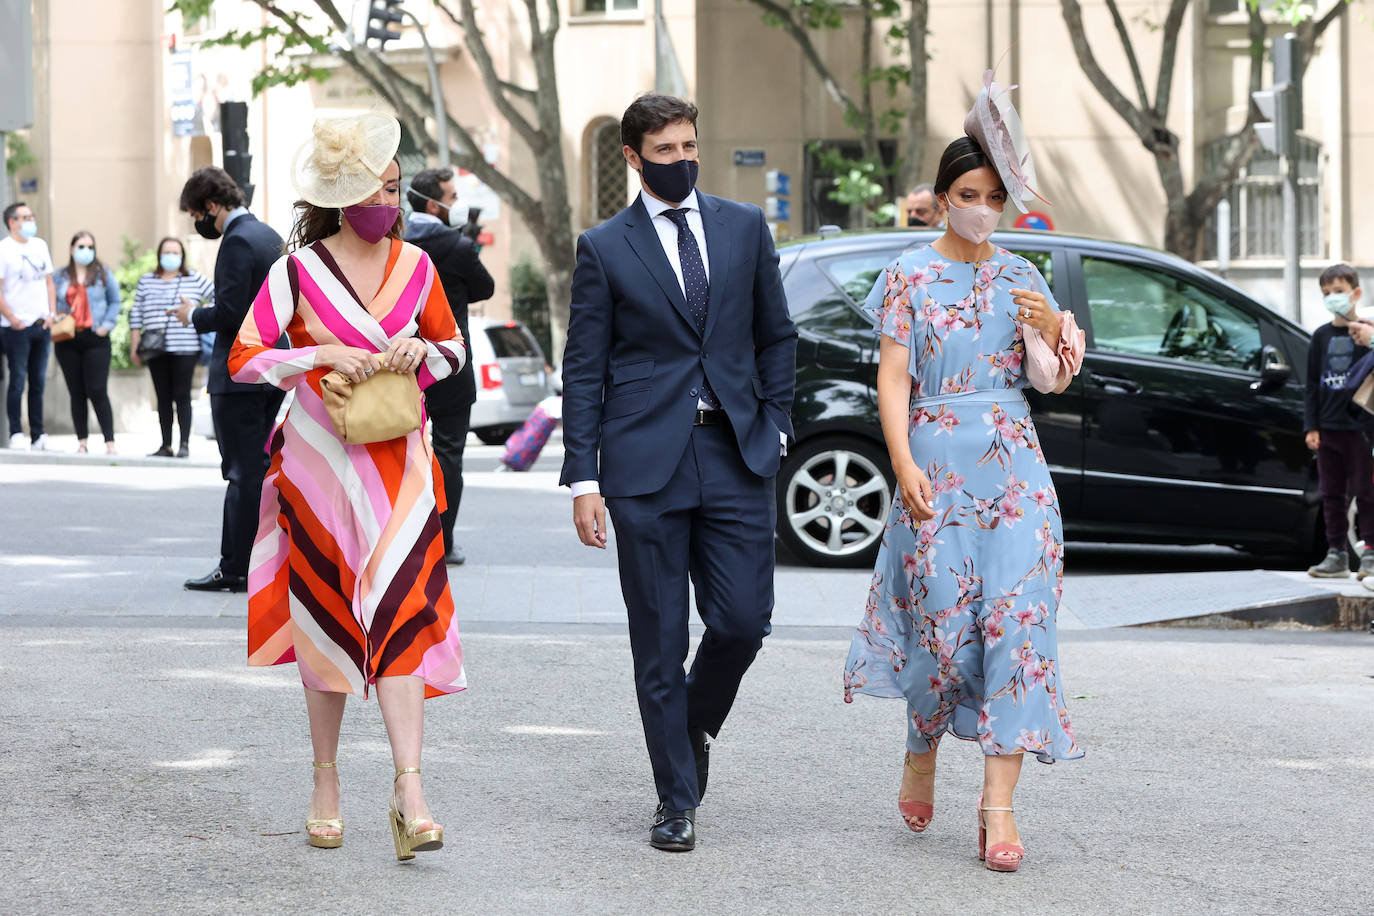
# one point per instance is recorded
(159, 292)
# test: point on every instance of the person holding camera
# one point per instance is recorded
(445, 231)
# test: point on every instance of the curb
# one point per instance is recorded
(1334, 612)
(71, 458)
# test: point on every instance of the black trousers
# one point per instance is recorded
(171, 373)
(713, 521)
(85, 362)
(449, 435)
(243, 421)
(1345, 470)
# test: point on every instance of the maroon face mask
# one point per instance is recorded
(371, 223)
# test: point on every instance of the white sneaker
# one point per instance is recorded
(19, 441)
(41, 443)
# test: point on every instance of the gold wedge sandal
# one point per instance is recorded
(408, 839)
(326, 840)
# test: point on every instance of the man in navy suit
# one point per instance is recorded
(243, 414)
(677, 386)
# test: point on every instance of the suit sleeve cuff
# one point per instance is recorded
(583, 487)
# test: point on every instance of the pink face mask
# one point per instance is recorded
(371, 223)
(975, 223)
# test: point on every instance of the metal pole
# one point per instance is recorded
(1223, 236)
(1291, 268)
(4, 170)
(437, 91)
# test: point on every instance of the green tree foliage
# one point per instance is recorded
(138, 260)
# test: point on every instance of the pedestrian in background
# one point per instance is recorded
(348, 572)
(1340, 438)
(243, 414)
(158, 340)
(433, 228)
(923, 208)
(28, 305)
(960, 618)
(87, 290)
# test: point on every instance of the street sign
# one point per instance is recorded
(778, 208)
(179, 91)
(750, 158)
(779, 183)
(1035, 220)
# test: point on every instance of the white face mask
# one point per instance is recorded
(457, 216)
(975, 223)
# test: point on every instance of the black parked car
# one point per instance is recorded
(1185, 425)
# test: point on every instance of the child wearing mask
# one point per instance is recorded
(1345, 467)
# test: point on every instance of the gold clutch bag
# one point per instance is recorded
(385, 406)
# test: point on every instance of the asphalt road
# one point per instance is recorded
(147, 770)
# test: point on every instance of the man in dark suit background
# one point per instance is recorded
(433, 227)
(243, 414)
(678, 381)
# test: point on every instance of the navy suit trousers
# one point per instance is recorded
(714, 521)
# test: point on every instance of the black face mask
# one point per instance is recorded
(671, 182)
(915, 222)
(206, 227)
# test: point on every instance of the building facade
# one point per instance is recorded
(127, 106)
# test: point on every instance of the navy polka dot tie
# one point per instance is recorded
(695, 285)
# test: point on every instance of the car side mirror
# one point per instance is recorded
(1274, 370)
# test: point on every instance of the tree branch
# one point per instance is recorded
(798, 33)
(1073, 18)
(1168, 50)
(1312, 30)
(1131, 58)
(477, 46)
(520, 92)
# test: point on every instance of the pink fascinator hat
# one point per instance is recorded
(993, 124)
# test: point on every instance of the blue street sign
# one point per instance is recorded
(779, 183)
(753, 158)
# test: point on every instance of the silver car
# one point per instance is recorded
(511, 377)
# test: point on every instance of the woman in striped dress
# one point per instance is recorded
(159, 291)
(347, 576)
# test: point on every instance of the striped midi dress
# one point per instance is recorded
(347, 575)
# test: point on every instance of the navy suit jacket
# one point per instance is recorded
(247, 251)
(634, 359)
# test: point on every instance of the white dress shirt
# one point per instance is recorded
(667, 236)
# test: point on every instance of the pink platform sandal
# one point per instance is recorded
(916, 814)
(998, 856)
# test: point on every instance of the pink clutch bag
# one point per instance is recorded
(1051, 371)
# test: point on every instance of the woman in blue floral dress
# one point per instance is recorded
(960, 618)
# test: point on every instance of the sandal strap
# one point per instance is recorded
(324, 822)
(991, 808)
(912, 767)
(400, 773)
(319, 765)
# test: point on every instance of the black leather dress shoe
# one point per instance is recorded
(455, 556)
(674, 830)
(218, 581)
(701, 750)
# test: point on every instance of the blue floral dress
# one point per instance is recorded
(960, 618)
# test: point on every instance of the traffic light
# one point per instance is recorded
(233, 126)
(1281, 104)
(384, 13)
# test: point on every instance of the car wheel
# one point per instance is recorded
(494, 435)
(834, 494)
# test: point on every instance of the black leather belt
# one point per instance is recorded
(709, 418)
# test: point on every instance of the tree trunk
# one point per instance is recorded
(911, 173)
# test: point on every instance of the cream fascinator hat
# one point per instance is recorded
(343, 161)
(993, 124)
